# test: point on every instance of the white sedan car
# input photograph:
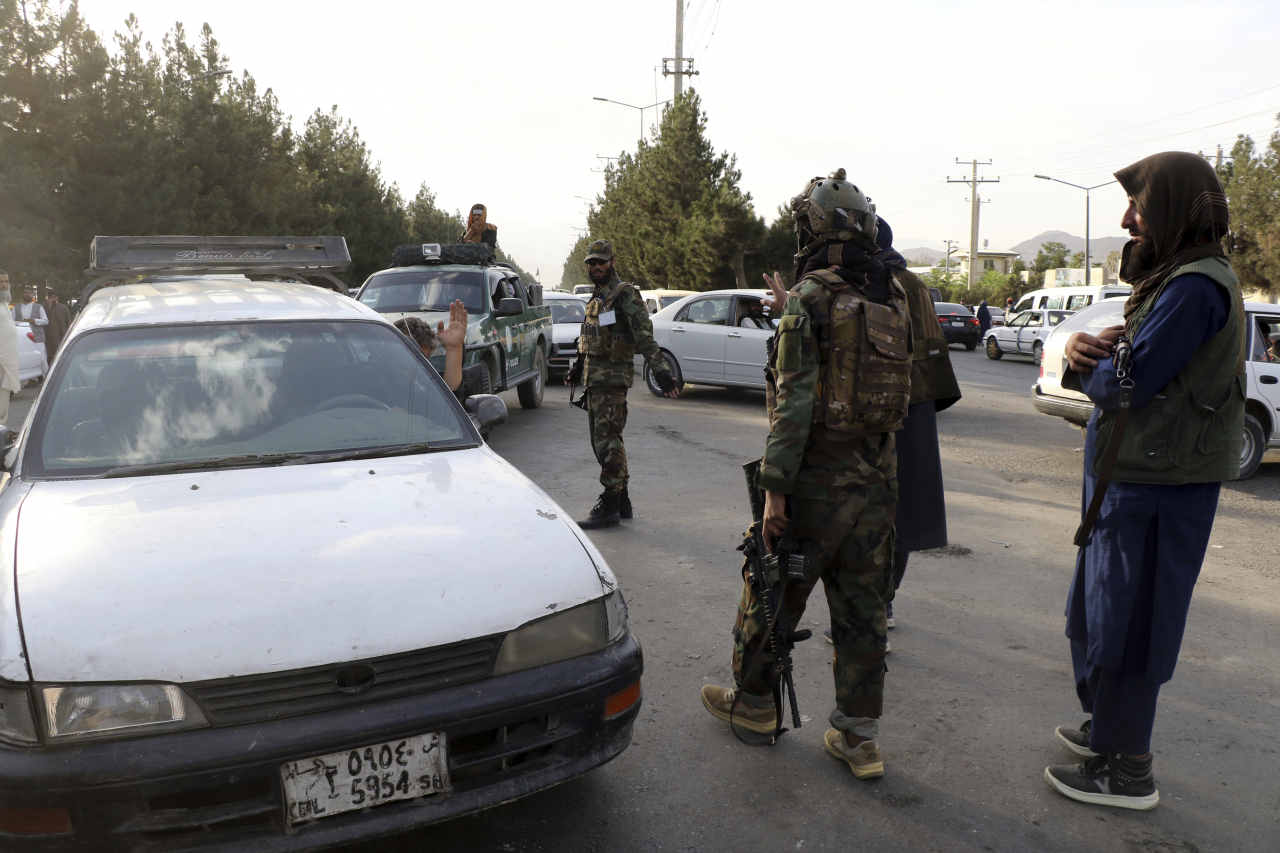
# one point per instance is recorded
(1262, 396)
(1025, 334)
(567, 313)
(714, 338)
(276, 593)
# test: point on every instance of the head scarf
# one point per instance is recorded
(479, 226)
(888, 255)
(1179, 197)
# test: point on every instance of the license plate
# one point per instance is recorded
(359, 778)
(958, 323)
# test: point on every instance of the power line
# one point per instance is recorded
(975, 202)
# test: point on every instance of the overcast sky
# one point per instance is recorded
(492, 102)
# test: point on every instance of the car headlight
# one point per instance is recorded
(577, 631)
(75, 711)
(17, 725)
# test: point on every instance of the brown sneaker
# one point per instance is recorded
(864, 759)
(718, 700)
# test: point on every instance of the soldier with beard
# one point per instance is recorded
(1167, 441)
(838, 387)
(616, 327)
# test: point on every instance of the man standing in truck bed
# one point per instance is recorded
(615, 329)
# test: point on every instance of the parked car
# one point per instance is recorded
(959, 326)
(997, 315)
(584, 289)
(32, 362)
(656, 300)
(704, 339)
(1024, 335)
(1262, 397)
(1071, 298)
(567, 313)
(276, 594)
(509, 330)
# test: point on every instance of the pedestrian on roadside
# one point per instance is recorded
(984, 319)
(59, 323)
(829, 459)
(1008, 308)
(615, 328)
(1127, 607)
(9, 382)
(32, 313)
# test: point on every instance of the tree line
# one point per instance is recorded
(119, 139)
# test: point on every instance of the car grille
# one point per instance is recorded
(255, 698)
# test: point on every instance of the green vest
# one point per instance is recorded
(1191, 431)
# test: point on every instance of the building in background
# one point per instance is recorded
(988, 261)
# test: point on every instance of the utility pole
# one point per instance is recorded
(973, 213)
(946, 261)
(682, 66)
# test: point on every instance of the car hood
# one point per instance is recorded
(186, 577)
(565, 333)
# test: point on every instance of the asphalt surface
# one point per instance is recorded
(978, 677)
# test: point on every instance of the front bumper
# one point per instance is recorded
(562, 356)
(1077, 412)
(219, 789)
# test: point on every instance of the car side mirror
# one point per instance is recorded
(509, 306)
(486, 410)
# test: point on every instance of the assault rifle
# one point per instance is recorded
(769, 572)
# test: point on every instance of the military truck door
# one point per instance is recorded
(505, 329)
(528, 338)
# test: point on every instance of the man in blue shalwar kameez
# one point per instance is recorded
(1128, 603)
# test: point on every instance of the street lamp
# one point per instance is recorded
(1087, 190)
(634, 107)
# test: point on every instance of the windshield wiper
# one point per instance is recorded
(367, 453)
(198, 464)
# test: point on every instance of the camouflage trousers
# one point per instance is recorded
(607, 417)
(849, 546)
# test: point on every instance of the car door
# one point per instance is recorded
(745, 349)
(1028, 331)
(1007, 335)
(523, 332)
(1264, 362)
(698, 337)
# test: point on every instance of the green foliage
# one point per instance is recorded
(775, 250)
(575, 268)
(1077, 261)
(97, 141)
(1251, 179)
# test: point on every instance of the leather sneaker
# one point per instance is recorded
(1076, 740)
(1107, 780)
(753, 718)
(864, 759)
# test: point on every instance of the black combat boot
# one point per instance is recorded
(624, 504)
(604, 513)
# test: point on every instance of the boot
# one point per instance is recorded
(624, 504)
(603, 514)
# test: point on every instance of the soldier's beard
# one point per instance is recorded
(1139, 256)
(599, 275)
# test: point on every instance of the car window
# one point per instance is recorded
(1035, 318)
(1075, 303)
(423, 290)
(1020, 320)
(1056, 317)
(669, 300)
(711, 311)
(564, 311)
(1095, 318)
(1022, 306)
(209, 391)
(1266, 340)
(517, 287)
(750, 313)
(950, 308)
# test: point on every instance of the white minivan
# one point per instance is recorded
(1068, 298)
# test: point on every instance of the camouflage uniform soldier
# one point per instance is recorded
(839, 387)
(616, 328)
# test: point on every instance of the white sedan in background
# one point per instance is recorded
(714, 338)
(1024, 335)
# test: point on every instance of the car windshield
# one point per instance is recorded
(950, 308)
(204, 394)
(664, 301)
(568, 312)
(424, 290)
(1095, 318)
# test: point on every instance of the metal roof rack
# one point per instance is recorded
(116, 259)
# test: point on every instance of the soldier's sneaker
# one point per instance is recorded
(751, 716)
(864, 759)
(603, 514)
(1107, 780)
(1076, 740)
(624, 504)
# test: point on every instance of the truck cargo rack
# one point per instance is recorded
(115, 260)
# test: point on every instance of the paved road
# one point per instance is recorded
(979, 674)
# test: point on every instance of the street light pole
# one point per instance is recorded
(1088, 268)
(634, 107)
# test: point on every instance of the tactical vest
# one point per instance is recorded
(613, 341)
(864, 385)
(1192, 430)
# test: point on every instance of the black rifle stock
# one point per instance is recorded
(769, 572)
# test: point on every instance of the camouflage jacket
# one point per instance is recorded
(629, 310)
(802, 458)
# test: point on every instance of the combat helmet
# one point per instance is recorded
(832, 208)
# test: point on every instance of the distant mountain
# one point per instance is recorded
(932, 255)
(1099, 247)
